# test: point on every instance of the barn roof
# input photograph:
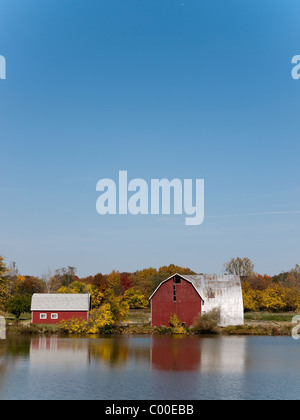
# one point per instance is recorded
(60, 302)
(207, 284)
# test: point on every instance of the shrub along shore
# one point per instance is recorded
(264, 329)
(256, 324)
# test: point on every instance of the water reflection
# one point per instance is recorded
(57, 352)
(165, 353)
(224, 355)
(176, 354)
(149, 367)
(113, 352)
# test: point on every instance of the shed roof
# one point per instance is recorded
(60, 302)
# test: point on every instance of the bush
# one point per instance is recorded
(208, 323)
(135, 298)
(101, 321)
(176, 325)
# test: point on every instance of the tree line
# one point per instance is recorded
(278, 293)
(124, 291)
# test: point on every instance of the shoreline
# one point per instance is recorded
(252, 328)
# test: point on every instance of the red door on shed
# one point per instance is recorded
(175, 296)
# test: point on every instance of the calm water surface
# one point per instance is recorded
(151, 368)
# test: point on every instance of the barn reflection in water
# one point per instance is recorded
(164, 353)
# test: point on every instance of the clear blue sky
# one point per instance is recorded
(188, 89)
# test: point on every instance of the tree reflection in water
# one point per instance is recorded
(173, 353)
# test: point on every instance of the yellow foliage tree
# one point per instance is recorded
(113, 279)
(251, 298)
(4, 282)
(272, 298)
(63, 289)
(101, 320)
(96, 295)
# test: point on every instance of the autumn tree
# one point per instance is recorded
(259, 282)
(272, 298)
(100, 281)
(75, 287)
(143, 280)
(251, 298)
(135, 299)
(148, 279)
(28, 285)
(242, 267)
(4, 282)
(66, 275)
(96, 295)
(172, 269)
(125, 281)
(114, 282)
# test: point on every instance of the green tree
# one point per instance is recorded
(18, 304)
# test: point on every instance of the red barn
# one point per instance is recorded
(188, 296)
(177, 296)
(51, 308)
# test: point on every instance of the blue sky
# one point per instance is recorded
(186, 89)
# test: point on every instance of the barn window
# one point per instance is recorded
(54, 316)
(43, 316)
(174, 292)
(177, 280)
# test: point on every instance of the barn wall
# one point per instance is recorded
(186, 307)
(229, 299)
(62, 315)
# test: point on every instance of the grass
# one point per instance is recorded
(139, 316)
(269, 316)
(265, 329)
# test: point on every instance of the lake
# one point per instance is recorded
(149, 368)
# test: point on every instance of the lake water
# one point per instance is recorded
(149, 368)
